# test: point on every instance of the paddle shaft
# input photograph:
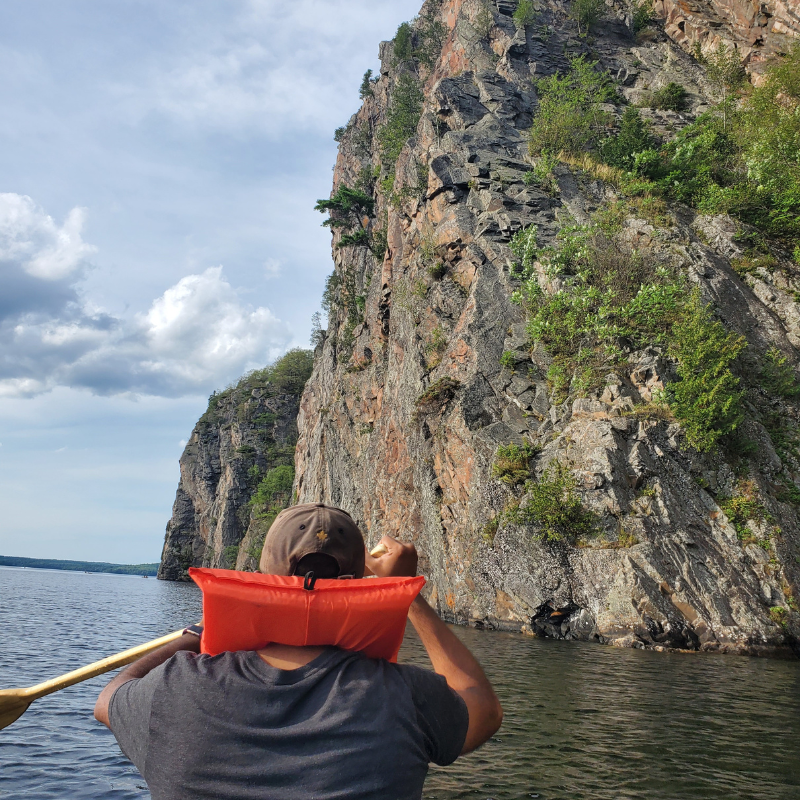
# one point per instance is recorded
(97, 668)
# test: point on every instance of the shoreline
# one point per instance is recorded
(67, 565)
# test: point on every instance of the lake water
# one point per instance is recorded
(581, 721)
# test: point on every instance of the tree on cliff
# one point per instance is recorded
(349, 209)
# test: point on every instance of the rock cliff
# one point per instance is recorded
(236, 471)
(756, 29)
(433, 415)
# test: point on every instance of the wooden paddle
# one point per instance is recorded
(14, 702)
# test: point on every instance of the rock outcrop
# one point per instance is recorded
(408, 403)
(248, 432)
(757, 29)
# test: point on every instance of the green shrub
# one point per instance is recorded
(778, 376)
(612, 293)
(743, 507)
(349, 210)
(569, 117)
(265, 420)
(788, 492)
(343, 292)
(744, 162)
(346, 207)
(274, 491)
(778, 615)
(524, 14)
(741, 161)
(523, 246)
(435, 347)
(725, 72)
(288, 375)
(634, 137)
(291, 371)
(703, 167)
(586, 12)
(489, 530)
(229, 555)
(405, 109)
(671, 97)
(706, 400)
(484, 19)
(420, 40)
(768, 131)
(642, 14)
(431, 35)
(542, 174)
(554, 506)
(512, 463)
(403, 43)
(738, 446)
(379, 244)
(436, 395)
(508, 360)
(365, 90)
(752, 264)
(783, 433)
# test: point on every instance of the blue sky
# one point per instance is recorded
(159, 163)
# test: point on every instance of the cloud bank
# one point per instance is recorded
(197, 335)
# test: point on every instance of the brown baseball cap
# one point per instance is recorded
(313, 528)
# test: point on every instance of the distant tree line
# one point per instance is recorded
(79, 566)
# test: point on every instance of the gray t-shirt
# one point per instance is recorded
(232, 726)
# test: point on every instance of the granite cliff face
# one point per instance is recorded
(408, 403)
(756, 29)
(432, 414)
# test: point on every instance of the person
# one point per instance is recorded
(295, 723)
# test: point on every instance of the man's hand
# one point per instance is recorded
(399, 560)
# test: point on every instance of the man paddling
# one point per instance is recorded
(292, 723)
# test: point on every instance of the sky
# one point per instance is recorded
(159, 164)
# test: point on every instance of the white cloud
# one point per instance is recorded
(198, 329)
(268, 66)
(31, 238)
(196, 336)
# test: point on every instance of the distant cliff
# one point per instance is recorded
(236, 471)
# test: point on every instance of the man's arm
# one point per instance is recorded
(140, 668)
(449, 656)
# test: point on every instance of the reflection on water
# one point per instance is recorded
(581, 721)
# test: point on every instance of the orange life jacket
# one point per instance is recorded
(247, 610)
